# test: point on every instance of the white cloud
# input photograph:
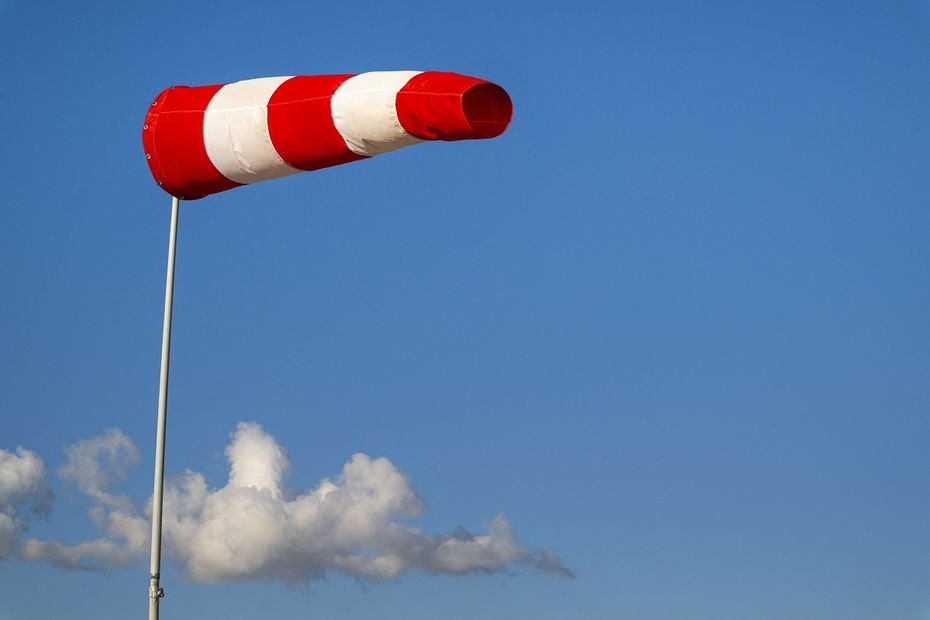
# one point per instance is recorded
(94, 463)
(126, 540)
(254, 528)
(24, 493)
(92, 555)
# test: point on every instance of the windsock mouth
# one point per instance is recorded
(487, 109)
(436, 105)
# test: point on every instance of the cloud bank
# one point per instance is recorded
(255, 527)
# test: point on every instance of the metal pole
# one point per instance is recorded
(155, 591)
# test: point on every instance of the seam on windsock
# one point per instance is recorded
(301, 100)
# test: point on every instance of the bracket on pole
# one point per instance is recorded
(155, 591)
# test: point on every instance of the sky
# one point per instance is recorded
(660, 351)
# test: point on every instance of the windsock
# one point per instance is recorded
(207, 139)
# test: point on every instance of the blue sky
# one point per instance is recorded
(672, 324)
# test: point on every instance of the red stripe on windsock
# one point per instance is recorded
(436, 105)
(300, 123)
(175, 153)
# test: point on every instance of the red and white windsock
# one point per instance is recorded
(207, 139)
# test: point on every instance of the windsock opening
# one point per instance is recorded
(488, 109)
(436, 105)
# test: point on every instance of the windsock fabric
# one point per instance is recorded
(203, 140)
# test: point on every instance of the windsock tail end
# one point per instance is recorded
(488, 109)
(437, 105)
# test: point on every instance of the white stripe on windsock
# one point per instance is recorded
(235, 132)
(365, 113)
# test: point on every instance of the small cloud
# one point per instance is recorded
(24, 493)
(94, 463)
(97, 554)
